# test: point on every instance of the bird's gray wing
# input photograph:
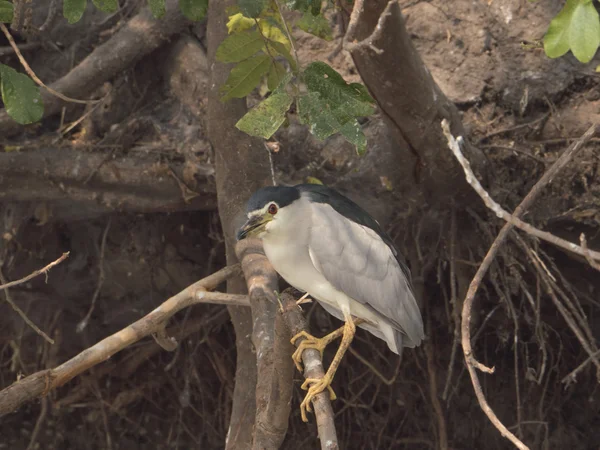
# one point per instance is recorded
(356, 261)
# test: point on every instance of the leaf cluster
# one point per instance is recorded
(261, 47)
(577, 28)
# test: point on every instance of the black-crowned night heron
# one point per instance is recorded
(324, 244)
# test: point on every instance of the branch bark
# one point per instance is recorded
(40, 383)
(138, 183)
(140, 36)
(242, 166)
(271, 340)
(313, 368)
(409, 99)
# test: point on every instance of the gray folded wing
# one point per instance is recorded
(356, 261)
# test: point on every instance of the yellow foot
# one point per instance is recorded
(309, 342)
(318, 385)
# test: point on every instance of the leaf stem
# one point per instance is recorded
(289, 35)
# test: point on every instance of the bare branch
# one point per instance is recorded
(140, 36)
(32, 74)
(483, 268)
(83, 323)
(454, 145)
(587, 253)
(56, 177)
(40, 383)
(32, 275)
(313, 368)
(273, 349)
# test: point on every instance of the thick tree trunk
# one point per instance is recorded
(410, 100)
(242, 166)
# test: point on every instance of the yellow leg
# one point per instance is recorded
(318, 385)
(312, 342)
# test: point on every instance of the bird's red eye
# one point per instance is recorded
(272, 209)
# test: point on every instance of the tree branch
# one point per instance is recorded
(40, 383)
(313, 368)
(124, 183)
(140, 36)
(272, 345)
(470, 360)
(454, 145)
(412, 103)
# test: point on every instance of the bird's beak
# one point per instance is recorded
(253, 226)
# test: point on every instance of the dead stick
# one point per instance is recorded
(471, 362)
(36, 273)
(501, 212)
(40, 383)
(313, 368)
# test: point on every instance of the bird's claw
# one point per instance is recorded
(309, 342)
(318, 385)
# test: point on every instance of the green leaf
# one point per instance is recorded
(353, 133)
(238, 22)
(265, 118)
(194, 9)
(344, 100)
(283, 51)
(315, 25)
(584, 32)
(272, 32)
(239, 46)
(277, 73)
(252, 8)
(107, 6)
(21, 96)
(73, 10)
(575, 27)
(6, 11)
(332, 106)
(312, 6)
(244, 77)
(316, 113)
(157, 7)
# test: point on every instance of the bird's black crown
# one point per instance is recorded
(282, 195)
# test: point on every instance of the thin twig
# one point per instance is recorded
(40, 383)
(454, 303)
(32, 74)
(34, 274)
(550, 285)
(487, 261)
(289, 35)
(572, 376)
(83, 323)
(454, 145)
(21, 313)
(586, 253)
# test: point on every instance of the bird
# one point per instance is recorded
(324, 244)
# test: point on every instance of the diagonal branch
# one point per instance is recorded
(454, 145)
(470, 360)
(140, 36)
(40, 383)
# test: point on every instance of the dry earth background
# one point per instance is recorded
(518, 106)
